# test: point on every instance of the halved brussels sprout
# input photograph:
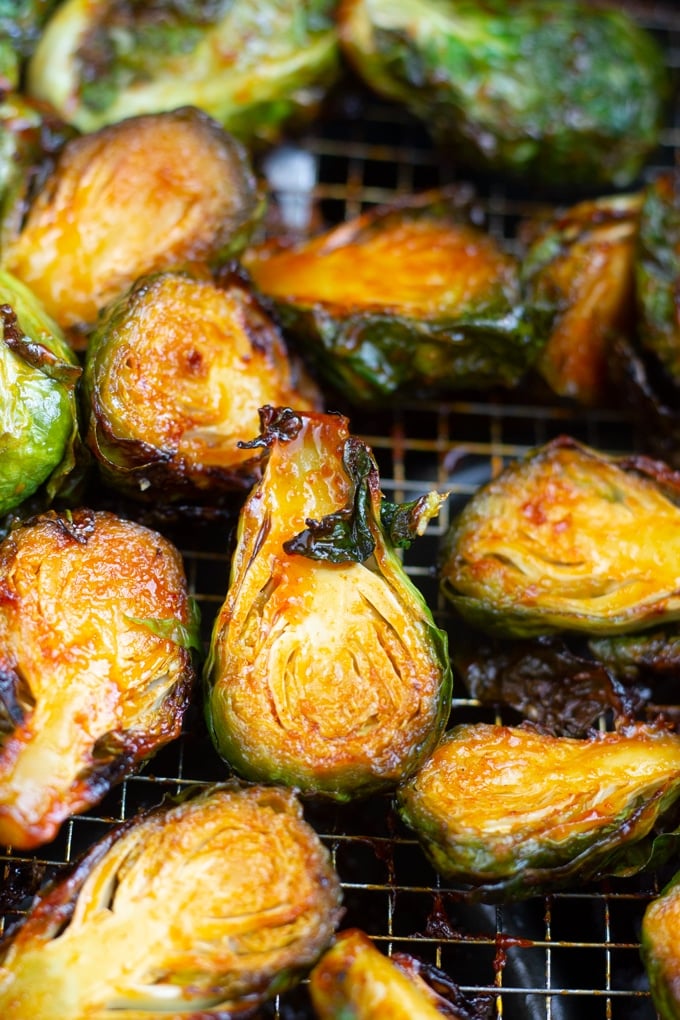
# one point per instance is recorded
(567, 538)
(565, 93)
(251, 64)
(514, 811)
(659, 942)
(38, 414)
(658, 275)
(147, 194)
(579, 284)
(402, 297)
(355, 981)
(205, 908)
(96, 631)
(175, 374)
(326, 671)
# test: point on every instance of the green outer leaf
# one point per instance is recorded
(186, 636)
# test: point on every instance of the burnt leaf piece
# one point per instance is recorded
(90, 689)
(659, 949)
(356, 981)
(578, 281)
(203, 908)
(175, 375)
(566, 538)
(411, 296)
(150, 193)
(326, 670)
(513, 812)
(252, 66)
(565, 94)
(40, 450)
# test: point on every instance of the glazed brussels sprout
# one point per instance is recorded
(579, 284)
(147, 194)
(326, 671)
(355, 981)
(251, 65)
(567, 538)
(205, 908)
(659, 949)
(175, 374)
(514, 811)
(566, 94)
(38, 416)
(402, 297)
(96, 632)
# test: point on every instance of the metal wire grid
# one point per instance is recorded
(573, 954)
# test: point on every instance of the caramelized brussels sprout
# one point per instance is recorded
(659, 949)
(205, 908)
(578, 278)
(658, 275)
(251, 65)
(326, 671)
(402, 296)
(147, 194)
(567, 538)
(514, 811)
(175, 374)
(38, 418)
(565, 93)
(355, 981)
(96, 631)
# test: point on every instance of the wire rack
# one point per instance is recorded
(570, 955)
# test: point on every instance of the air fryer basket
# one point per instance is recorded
(570, 956)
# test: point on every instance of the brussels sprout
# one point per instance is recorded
(38, 420)
(514, 811)
(147, 194)
(578, 277)
(659, 949)
(566, 93)
(402, 296)
(355, 981)
(658, 275)
(96, 630)
(174, 377)
(567, 538)
(251, 65)
(204, 908)
(325, 670)
(20, 25)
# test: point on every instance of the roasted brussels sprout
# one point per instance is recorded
(355, 981)
(325, 670)
(402, 297)
(199, 909)
(38, 417)
(659, 949)
(579, 284)
(567, 538)
(567, 94)
(251, 65)
(658, 275)
(514, 812)
(96, 631)
(175, 374)
(147, 194)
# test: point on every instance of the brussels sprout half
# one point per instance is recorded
(38, 417)
(567, 538)
(567, 94)
(325, 671)
(95, 663)
(402, 297)
(579, 285)
(175, 374)
(147, 194)
(251, 64)
(201, 909)
(659, 949)
(514, 812)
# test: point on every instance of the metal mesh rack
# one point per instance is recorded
(572, 954)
